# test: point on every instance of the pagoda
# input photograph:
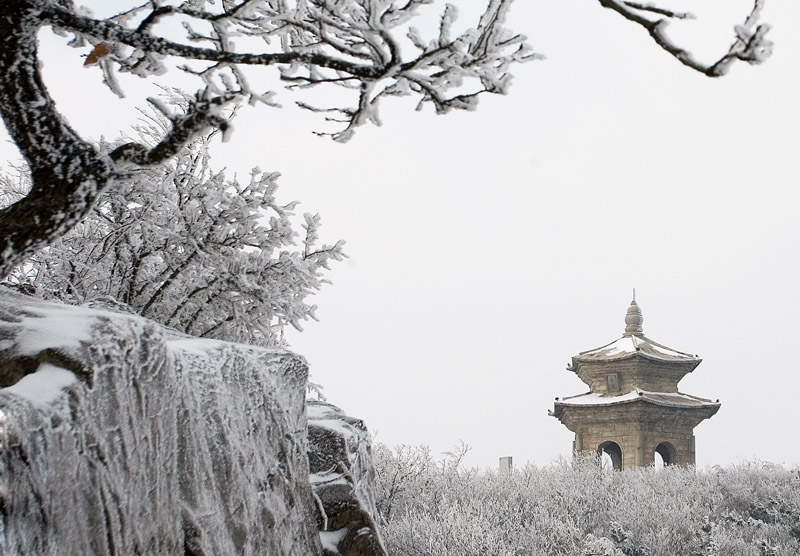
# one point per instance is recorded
(634, 409)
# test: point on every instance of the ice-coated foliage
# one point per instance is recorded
(159, 444)
(369, 49)
(352, 45)
(434, 508)
(183, 245)
(357, 45)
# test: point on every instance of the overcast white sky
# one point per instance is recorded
(487, 248)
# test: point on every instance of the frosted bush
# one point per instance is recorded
(575, 509)
(190, 248)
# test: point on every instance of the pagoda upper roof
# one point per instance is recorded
(630, 345)
(633, 343)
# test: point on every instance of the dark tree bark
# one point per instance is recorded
(66, 171)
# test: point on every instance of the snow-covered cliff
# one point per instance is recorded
(343, 480)
(121, 438)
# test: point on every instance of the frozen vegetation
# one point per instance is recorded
(431, 508)
(186, 247)
(118, 436)
(352, 47)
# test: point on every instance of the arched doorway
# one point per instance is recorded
(611, 454)
(667, 453)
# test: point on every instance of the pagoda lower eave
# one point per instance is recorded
(655, 408)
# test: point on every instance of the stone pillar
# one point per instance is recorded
(691, 450)
(577, 446)
(639, 448)
(506, 466)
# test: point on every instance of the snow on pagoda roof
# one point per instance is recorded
(675, 399)
(630, 345)
(633, 342)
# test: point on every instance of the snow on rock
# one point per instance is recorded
(343, 479)
(118, 438)
(44, 385)
(331, 539)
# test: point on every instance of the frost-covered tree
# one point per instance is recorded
(352, 44)
(355, 44)
(182, 245)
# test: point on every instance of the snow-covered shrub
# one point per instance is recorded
(192, 249)
(576, 509)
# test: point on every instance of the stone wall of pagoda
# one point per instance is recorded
(636, 372)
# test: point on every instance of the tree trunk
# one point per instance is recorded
(67, 173)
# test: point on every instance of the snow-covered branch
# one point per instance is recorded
(354, 45)
(319, 43)
(750, 45)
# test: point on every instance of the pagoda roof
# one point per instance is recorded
(633, 343)
(675, 399)
(630, 345)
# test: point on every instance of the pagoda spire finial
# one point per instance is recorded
(634, 319)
